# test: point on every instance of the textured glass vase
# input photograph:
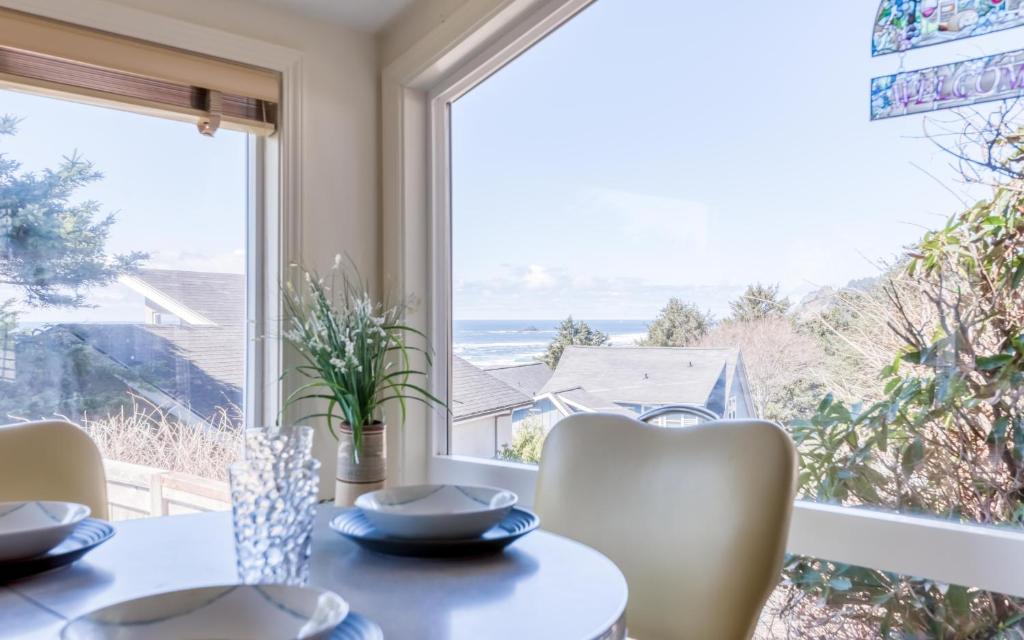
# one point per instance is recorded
(273, 503)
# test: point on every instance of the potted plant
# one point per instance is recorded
(356, 356)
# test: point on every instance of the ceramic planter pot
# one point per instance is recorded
(354, 479)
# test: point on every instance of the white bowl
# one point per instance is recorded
(230, 612)
(436, 510)
(30, 529)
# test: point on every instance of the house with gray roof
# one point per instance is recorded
(188, 354)
(528, 378)
(482, 405)
(633, 380)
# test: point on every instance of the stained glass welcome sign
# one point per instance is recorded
(958, 84)
(906, 24)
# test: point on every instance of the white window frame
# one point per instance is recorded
(274, 214)
(416, 91)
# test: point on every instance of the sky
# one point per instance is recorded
(647, 149)
(177, 195)
(656, 148)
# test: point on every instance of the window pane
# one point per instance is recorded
(122, 254)
(690, 228)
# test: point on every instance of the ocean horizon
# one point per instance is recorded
(493, 343)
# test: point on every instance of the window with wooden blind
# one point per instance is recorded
(60, 58)
(131, 252)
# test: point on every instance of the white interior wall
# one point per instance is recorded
(424, 16)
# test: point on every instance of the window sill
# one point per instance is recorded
(972, 555)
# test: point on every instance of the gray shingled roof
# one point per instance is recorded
(201, 367)
(593, 402)
(476, 393)
(645, 375)
(217, 296)
(528, 378)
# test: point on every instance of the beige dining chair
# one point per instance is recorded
(51, 460)
(695, 517)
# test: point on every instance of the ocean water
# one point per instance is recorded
(488, 343)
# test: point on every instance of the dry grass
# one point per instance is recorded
(147, 435)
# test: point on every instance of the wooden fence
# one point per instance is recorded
(135, 491)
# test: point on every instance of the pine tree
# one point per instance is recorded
(758, 302)
(572, 333)
(52, 248)
(679, 324)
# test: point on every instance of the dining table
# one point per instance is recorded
(542, 586)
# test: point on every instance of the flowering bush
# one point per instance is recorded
(355, 350)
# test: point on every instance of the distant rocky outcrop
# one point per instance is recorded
(821, 300)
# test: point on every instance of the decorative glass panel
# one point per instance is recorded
(906, 24)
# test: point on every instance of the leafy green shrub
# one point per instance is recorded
(527, 442)
(945, 437)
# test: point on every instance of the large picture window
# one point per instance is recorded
(683, 229)
(123, 292)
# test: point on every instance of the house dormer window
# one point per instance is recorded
(166, 319)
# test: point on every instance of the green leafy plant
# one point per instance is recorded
(527, 443)
(356, 351)
(945, 435)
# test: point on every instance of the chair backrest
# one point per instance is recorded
(696, 517)
(51, 460)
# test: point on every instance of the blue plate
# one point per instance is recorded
(89, 534)
(356, 627)
(352, 524)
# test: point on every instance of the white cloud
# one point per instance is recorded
(508, 296)
(622, 254)
(227, 262)
(537, 277)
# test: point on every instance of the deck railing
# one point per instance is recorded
(136, 491)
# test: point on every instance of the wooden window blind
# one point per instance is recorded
(61, 58)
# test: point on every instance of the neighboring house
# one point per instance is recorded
(482, 406)
(528, 378)
(188, 356)
(488, 404)
(632, 380)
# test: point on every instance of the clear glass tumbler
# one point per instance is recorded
(273, 503)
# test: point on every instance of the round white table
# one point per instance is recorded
(542, 586)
